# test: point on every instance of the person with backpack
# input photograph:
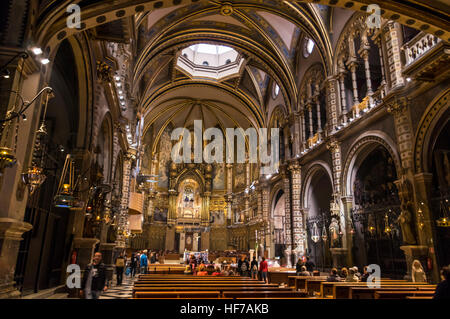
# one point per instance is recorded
(120, 264)
(254, 267)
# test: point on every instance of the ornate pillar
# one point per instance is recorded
(287, 214)
(205, 208)
(347, 203)
(298, 228)
(123, 216)
(364, 53)
(317, 100)
(352, 63)
(267, 233)
(302, 117)
(341, 77)
(294, 120)
(379, 43)
(392, 35)
(311, 129)
(331, 89)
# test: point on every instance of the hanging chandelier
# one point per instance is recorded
(64, 197)
(444, 220)
(387, 228)
(7, 158)
(315, 233)
(33, 178)
(324, 233)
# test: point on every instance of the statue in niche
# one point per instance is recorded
(404, 219)
(287, 255)
(334, 233)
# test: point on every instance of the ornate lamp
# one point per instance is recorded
(315, 233)
(33, 178)
(64, 196)
(420, 218)
(444, 220)
(387, 228)
(324, 233)
(7, 158)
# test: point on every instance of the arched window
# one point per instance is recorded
(308, 47)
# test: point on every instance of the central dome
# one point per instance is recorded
(210, 61)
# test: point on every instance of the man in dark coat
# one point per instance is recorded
(94, 279)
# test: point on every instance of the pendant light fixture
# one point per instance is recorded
(315, 233)
(64, 197)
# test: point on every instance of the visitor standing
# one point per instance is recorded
(254, 267)
(144, 262)
(120, 264)
(264, 268)
(94, 279)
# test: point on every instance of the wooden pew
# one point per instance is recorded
(177, 294)
(343, 291)
(213, 288)
(312, 285)
(279, 277)
(263, 294)
(300, 281)
(401, 294)
(326, 287)
(369, 293)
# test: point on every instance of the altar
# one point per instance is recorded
(202, 255)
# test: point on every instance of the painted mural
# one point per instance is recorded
(219, 176)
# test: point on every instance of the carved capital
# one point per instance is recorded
(397, 106)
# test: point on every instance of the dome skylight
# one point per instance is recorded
(210, 61)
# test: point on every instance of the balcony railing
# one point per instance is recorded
(419, 46)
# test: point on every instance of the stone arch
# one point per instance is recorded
(367, 140)
(428, 124)
(312, 170)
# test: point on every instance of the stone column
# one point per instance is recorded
(302, 116)
(392, 35)
(298, 227)
(182, 243)
(319, 122)
(379, 43)
(205, 208)
(332, 98)
(311, 128)
(266, 220)
(172, 212)
(107, 250)
(364, 53)
(426, 235)
(204, 240)
(347, 202)
(343, 95)
(170, 238)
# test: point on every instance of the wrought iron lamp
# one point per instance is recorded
(64, 196)
(315, 233)
(444, 220)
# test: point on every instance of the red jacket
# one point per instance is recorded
(263, 266)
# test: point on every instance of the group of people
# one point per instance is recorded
(244, 268)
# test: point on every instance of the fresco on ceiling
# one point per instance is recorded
(165, 147)
(219, 176)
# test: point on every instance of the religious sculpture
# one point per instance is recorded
(404, 219)
(287, 255)
(334, 233)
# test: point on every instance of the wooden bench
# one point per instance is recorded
(300, 281)
(326, 287)
(369, 293)
(214, 288)
(280, 276)
(263, 294)
(401, 294)
(177, 294)
(343, 291)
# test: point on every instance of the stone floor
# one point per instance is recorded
(124, 291)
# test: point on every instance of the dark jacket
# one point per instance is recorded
(309, 266)
(298, 267)
(254, 263)
(99, 280)
(333, 278)
(442, 290)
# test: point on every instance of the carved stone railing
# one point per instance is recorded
(419, 46)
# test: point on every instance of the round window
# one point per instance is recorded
(276, 90)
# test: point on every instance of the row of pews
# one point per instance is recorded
(388, 289)
(169, 286)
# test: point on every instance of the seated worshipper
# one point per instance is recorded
(188, 268)
(357, 273)
(202, 270)
(351, 277)
(344, 273)
(304, 272)
(417, 273)
(309, 265)
(365, 275)
(333, 277)
(443, 288)
(217, 271)
(298, 266)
